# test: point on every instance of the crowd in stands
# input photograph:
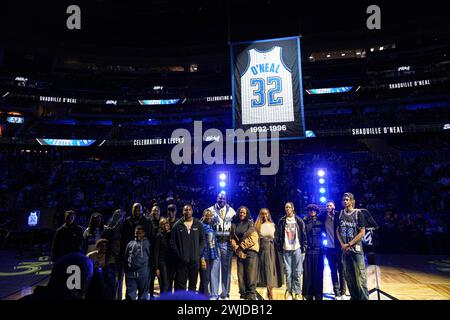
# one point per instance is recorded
(407, 193)
(409, 198)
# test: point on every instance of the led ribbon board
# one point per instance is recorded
(267, 91)
(329, 90)
(159, 102)
(15, 119)
(66, 142)
(310, 134)
(410, 84)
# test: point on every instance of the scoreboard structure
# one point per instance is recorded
(267, 89)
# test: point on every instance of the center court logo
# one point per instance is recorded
(220, 150)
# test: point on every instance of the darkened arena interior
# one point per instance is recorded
(118, 179)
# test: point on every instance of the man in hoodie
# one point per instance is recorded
(68, 237)
(187, 242)
(223, 214)
(137, 264)
(137, 218)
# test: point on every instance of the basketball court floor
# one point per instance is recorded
(403, 277)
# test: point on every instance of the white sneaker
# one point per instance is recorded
(288, 296)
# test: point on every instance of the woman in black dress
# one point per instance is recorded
(313, 264)
(164, 257)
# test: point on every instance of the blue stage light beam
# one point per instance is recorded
(223, 182)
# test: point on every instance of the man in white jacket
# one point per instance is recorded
(222, 216)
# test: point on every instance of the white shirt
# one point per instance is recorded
(188, 225)
(291, 241)
(268, 230)
(222, 225)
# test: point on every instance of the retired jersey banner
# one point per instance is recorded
(267, 92)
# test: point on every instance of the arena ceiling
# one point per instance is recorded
(156, 23)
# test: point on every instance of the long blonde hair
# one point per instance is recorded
(259, 222)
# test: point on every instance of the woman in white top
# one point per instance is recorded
(269, 270)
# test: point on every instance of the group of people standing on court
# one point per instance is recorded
(144, 247)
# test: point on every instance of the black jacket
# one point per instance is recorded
(187, 247)
(323, 218)
(314, 229)
(280, 233)
(67, 239)
(163, 252)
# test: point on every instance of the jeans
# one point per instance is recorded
(226, 254)
(246, 269)
(214, 279)
(355, 275)
(209, 286)
(136, 283)
(334, 257)
(293, 261)
(185, 272)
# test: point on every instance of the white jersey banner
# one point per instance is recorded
(267, 87)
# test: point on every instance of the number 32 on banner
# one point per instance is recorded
(260, 92)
